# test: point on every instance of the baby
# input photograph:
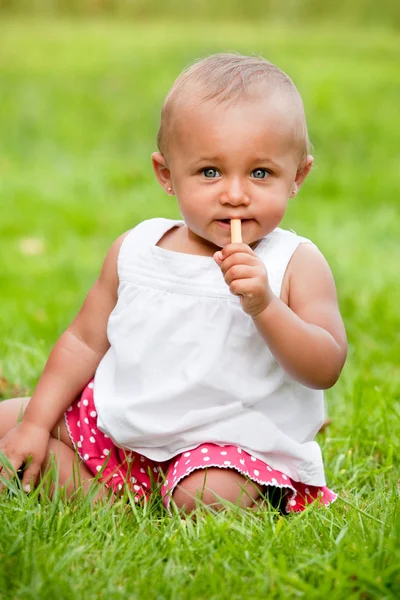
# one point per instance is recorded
(202, 362)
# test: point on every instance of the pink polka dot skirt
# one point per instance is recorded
(116, 467)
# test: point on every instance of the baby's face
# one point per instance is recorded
(233, 162)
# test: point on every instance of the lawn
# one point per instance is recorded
(80, 104)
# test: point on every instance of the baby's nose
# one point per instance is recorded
(235, 193)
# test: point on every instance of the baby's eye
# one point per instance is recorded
(211, 173)
(260, 173)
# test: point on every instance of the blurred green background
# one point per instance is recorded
(81, 87)
(365, 12)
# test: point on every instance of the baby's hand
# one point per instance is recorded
(25, 443)
(246, 276)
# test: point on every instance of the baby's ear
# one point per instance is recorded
(162, 172)
(301, 174)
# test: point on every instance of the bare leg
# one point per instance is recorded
(71, 472)
(209, 485)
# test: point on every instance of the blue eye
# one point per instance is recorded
(260, 173)
(211, 173)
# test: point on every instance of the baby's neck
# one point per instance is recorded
(182, 239)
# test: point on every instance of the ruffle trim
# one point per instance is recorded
(290, 499)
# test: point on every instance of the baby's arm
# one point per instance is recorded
(78, 351)
(306, 335)
(70, 366)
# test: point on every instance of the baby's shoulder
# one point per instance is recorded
(308, 272)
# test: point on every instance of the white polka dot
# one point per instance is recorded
(292, 502)
(253, 458)
(142, 459)
(204, 450)
(93, 413)
(176, 464)
(136, 488)
(144, 483)
(174, 473)
(142, 470)
(227, 462)
(166, 482)
(81, 438)
(86, 420)
(86, 457)
(224, 453)
(187, 454)
(79, 444)
(79, 404)
(106, 436)
(94, 431)
(136, 498)
(284, 477)
(91, 385)
(98, 468)
(155, 469)
(106, 451)
(256, 472)
(188, 461)
(307, 491)
(120, 486)
(85, 402)
(92, 439)
(242, 461)
(206, 458)
(102, 456)
(239, 450)
(274, 481)
(269, 468)
(133, 479)
(78, 423)
(69, 408)
(115, 475)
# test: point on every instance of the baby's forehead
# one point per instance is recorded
(193, 110)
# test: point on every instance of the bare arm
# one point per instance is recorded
(303, 329)
(78, 351)
(307, 335)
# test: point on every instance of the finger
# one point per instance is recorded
(9, 468)
(238, 272)
(240, 287)
(232, 248)
(239, 258)
(30, 476)
(218, 258)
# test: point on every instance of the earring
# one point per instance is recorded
(170, 189)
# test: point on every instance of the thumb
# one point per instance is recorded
(218, 258)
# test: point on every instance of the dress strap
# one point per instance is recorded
(276, 250)
(145, 234)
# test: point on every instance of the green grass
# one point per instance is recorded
(79, 114)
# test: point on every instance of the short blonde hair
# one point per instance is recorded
(232, 78)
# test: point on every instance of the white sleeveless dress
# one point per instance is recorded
(187, 366)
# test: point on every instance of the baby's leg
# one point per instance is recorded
(71, 472)
(208, 485)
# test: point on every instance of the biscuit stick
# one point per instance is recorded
(236, 231)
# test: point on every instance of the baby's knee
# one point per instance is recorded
(212, 487)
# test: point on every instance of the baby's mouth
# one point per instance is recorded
(228, 221)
